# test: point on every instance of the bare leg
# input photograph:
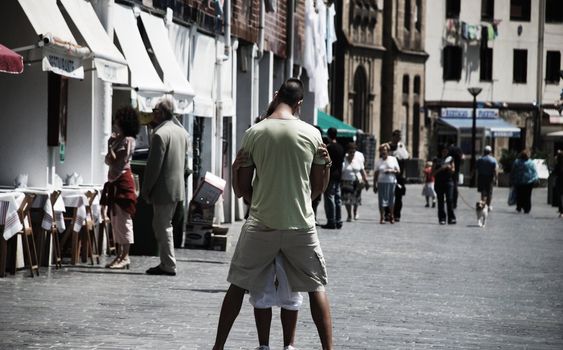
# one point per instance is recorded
(229, 312)
(263, 319)
(381, 215)
(355, 210)
(320, 311)
(289, 324)
(349, 211)
(391, 211)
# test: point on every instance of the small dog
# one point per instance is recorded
(482, 211)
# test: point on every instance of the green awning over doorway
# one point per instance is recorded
(326, 121)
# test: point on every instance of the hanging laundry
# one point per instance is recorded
(490, 32)
(472, 32)
(464, 31)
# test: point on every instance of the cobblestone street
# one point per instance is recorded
(412, 285)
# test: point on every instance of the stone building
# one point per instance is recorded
(356, 71)
(403, 73)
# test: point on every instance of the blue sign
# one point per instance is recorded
(467, 113)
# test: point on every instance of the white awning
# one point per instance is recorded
(144, 79)
(61, 55)
(174, 78)
(110, 63)
(227, 82)
(554, 116)
(202, 75)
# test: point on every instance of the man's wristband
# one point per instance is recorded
(329, 164)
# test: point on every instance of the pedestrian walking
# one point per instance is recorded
(457, 154)
(486, 168)
(283, 151)
(400, 192)
(119, 194)
(523, 177)
(163, 183)
(386, 167)
(443, 171)
(332, 194)
(398, 150)
(558, 172)
(354, 180)
(428, 188)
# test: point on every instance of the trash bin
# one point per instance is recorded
(145, 242)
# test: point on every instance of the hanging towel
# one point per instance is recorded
(490, 32)
(464, 31)
(471, 32)
(484, 36)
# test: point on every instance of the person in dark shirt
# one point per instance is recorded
(457, 154)
(443, 171)
(332, 199)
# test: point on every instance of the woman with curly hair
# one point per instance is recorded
(119, 191)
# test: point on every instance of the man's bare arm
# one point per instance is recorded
(320, 176)
(244, 183)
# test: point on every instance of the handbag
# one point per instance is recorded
(512, 196)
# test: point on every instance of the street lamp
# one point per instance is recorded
(474, 91)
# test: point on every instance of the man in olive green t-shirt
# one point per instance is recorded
(282, 154)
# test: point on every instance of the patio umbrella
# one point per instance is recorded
(10, 62)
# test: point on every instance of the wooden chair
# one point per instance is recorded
(105, 230)
(54, 233)
(30, 252)
(90, 237)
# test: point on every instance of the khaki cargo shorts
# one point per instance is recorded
(257, 248)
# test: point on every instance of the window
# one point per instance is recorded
(418, 15)
(552, 67)
(487, 10)
(407, 23)
(486, 69)
(452, 9)
(554, 11)
(452, 62)
(405, 84)
(520, 66)
(416, 87)
(520, 10)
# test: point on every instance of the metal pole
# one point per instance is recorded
(473, 140)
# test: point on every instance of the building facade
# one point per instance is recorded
(358, 59)
(511, 50)
(403, 74)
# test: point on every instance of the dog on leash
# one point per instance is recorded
(482, 210)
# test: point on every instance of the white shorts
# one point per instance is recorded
(279, 294)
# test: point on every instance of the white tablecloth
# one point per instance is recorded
(43, 201)
(9, 205)
(76, 198)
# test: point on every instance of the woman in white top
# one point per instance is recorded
(353, 180)
(385, 181)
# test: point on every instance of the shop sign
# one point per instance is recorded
(111, 72)
(64, 65)
(463, 113)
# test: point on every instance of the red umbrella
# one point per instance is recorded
(10, 62)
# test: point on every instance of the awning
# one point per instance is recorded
(495, 126)
(110, 63)
(555, 134)
(326, 121)
(174, 78)
(202, 75)
(554, 116)
(227, 82)
(10, 62)
(61, 53)
(144, 80)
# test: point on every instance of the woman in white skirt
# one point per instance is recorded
(385, 181)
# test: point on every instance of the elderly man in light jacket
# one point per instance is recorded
(163, 182)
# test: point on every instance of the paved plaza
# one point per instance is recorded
(412, 285)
